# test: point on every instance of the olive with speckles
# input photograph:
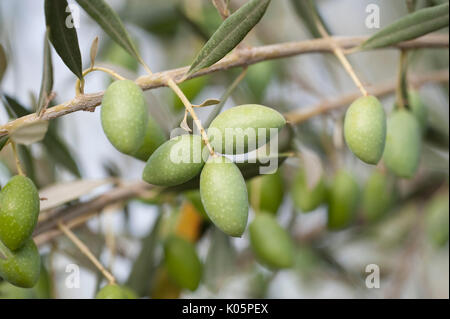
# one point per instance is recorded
(19, 211)
(224, 195)
(124, 116)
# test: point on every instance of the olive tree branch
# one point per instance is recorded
(238, 58)
(75, 216)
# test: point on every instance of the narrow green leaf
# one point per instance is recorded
(3, 62)
(93, 52)
(63, 34)
(47, 77)
(230, 33)
(27, 160)
(143, 269)
(409, 27)
(14, 108)
(59, 152)
(303, 10)
(207, 102)
(110, 22)
(3, 140)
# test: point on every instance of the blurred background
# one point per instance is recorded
(169, 33)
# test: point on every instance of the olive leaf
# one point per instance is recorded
(144, 267)
(94, 50)
(303, 10)
(409, 27)
(208, 102)
(63, 35)
(3, 62)
(47, 78)
(28, 162)
(29, 133)
(110, 22)
(3, 140)
(14, 108)
(230, 33)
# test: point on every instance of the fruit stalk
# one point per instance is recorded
(85, 250)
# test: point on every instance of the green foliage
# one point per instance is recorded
(230, 33)
(409, 27)
(124, 116)
(224, 195)
(3, 62)
(270, 242)
(175, 162)
(63, 38)
(365, 129)
(19, 210)
(403, 144)
(47, 77)
(182, 263)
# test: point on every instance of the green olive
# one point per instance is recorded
(365, 129)
(19, 210)
(124, 116)
(270, 242)
(182, 263)
(244, 128)
(266, 192)
(403, 144)
(304, 198)
(22, 268)
(418, 108)
(113, 291)
(175, 162)
(437, 218)
(224, 195)
(154, 137)
(342, 200)
(377, 197)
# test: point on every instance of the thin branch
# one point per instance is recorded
(239, 58)
(380, 90)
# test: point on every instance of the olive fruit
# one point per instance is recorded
(240, 129)
(418, 108)
(266, 192)
(307, 199)
(175, 162)
(437, 218)
(22, 268)
(124, 116)
(19, 210)
(224, 195)
(154, 137)
(377, 197)
(113, 291)
(270, 242)
(365, 129)
(403, 144)
(342, 200)
(182, 263)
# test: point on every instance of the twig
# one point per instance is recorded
(238, 59)
(85, 250)
(381, 89)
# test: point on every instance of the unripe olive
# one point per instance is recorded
(154, 137)
(224, 195)
(270, 242)
(403, 144)
(418, 108)
(240, 129)
(175, 162)
(377, 197)
(365, 129)
(182, 263)
(19, 210)
(342, 200)
(304, 198)
(266, 192)
(23, 267)
(113, 291)
(124, 116)
(437, 219)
